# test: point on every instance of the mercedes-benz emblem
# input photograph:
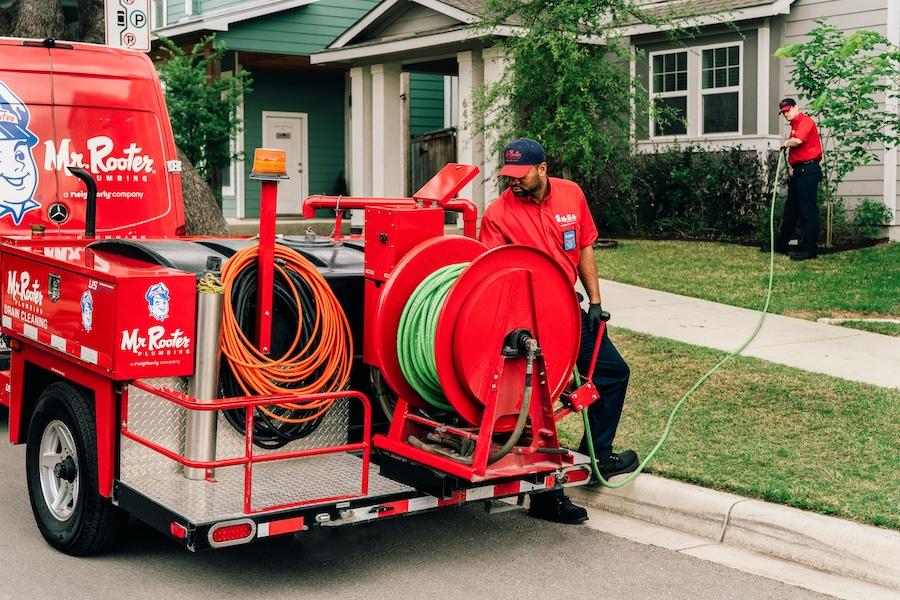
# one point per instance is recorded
(58, 213)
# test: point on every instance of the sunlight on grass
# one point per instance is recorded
(762, 430)
(855, 283)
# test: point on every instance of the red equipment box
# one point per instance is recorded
(393, 231)
(118, 315)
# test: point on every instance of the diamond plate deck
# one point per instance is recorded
(163, 423)
(274, 483)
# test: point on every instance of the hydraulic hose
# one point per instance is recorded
(762, 317)
(312, 346)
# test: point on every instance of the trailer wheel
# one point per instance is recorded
(61, 467)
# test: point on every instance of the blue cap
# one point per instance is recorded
(14, 117)
(520, 155)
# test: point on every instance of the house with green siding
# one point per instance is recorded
(294, 105)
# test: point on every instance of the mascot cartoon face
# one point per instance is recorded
(157, 297)
(18, 172)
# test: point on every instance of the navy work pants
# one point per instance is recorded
(611, 380)
(801, 207)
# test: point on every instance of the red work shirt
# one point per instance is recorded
(561, 225)
(803, 128)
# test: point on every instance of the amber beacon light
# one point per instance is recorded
(269, 164)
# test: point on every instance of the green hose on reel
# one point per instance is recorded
(417, 330)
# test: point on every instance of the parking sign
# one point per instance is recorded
(128, 24)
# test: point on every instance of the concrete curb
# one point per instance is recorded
(827, 543)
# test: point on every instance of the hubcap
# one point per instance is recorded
(59, 470)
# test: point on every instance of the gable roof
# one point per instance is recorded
(353, 44)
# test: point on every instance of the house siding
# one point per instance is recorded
(416, 19)
(848, 15)
(426, 103)
(300, 31)
(321, 96)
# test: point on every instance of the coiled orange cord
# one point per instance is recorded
(320, 367)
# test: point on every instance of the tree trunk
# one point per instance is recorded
(39, 19)
(201, 211)
(91, 23)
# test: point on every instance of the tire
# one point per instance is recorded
(72, 515)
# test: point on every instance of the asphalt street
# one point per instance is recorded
(460, 553)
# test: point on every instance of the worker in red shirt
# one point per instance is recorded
(552, 214)
(804, 153)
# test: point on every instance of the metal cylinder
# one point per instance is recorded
(200, 431)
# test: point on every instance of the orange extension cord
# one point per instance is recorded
(331, 358)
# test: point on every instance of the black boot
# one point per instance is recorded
(555, 506)
(616, 464)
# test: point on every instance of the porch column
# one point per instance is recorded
(360, 138)
(494, 65)
(387, 138)
(469, 141)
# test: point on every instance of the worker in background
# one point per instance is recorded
(552, 214)
(804, 153)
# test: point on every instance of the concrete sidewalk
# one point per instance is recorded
(839, 351)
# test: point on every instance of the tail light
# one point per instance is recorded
(231, 533)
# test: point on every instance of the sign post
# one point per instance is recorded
(128, 24)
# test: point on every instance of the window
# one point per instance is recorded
(697, 91)
(721, 85)
(669, 74)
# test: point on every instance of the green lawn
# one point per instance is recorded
(762, 430)
(858, 283)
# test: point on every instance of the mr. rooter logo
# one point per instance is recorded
(101, 158)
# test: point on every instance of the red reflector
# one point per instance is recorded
(178, 530)
(577, 475)
(180, 230)
(230, 533)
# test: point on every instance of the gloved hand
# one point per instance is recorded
(595, 315)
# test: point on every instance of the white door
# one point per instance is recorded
(287, 131)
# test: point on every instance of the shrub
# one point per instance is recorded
(869, 215)
(685, 192)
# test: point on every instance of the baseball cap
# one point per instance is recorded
(520, 155)
(786, 105)
(14, 117)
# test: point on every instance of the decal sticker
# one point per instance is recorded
(156, 340)
(569, 240)
(157, 297)
(53, 286)
(87, 310)
(18, 171)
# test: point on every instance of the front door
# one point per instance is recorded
(287, 131)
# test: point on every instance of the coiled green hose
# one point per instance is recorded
(416, 332)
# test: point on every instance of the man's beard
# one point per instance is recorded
(523, 191)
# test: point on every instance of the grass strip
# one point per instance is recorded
(762, 430)
(857, 283)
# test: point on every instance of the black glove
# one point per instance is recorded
(595, 315)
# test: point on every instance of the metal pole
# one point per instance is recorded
(200, 431)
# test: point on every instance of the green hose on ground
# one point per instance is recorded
(416, 332)
(708, 374)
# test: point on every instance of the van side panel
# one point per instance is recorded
(93, 107)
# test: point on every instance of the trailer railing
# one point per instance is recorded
(249, 403)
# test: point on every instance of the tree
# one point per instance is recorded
(202, 106)
(567, 82)
(851, 83)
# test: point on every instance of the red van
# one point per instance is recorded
(66, 105)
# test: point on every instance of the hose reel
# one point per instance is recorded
(471, 301)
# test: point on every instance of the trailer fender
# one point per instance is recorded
(32, 370)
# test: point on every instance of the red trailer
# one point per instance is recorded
(211, 387)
